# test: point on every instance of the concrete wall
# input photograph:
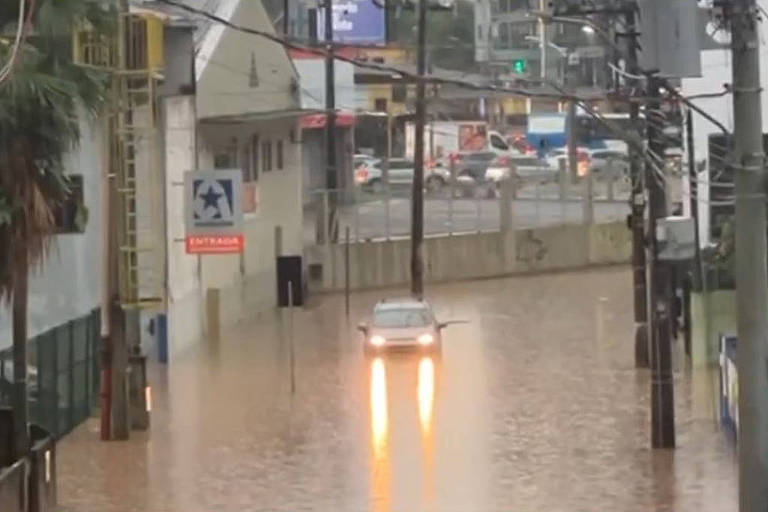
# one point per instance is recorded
(185, 298)
(69, 285)
(712, 314)
(383, 264)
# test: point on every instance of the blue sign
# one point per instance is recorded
(356, 22)
(213, 202)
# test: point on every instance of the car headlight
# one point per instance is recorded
(426, 339)
(377, 341)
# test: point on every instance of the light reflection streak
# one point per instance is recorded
(380, 467)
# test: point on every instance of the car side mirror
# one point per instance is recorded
(363, 328)
(443, 325)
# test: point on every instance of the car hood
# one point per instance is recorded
(401, 332)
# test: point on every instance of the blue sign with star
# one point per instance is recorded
(214, 202)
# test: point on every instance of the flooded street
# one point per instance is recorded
(535, 405)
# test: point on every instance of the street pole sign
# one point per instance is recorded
(213, 210)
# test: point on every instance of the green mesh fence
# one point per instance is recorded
(63, 373)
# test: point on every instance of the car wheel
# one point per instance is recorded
(377, 187)
(435, 184)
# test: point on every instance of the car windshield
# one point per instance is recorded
(406, 317)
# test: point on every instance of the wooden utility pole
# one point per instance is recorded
(637, 217)
(662, 391)
(330, 127)
(417, 200)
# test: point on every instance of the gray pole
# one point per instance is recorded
(417, 205)
(346, 272)
(662, 392)
(573, 155)
(330, 126)
(751, 271)
(637, 219)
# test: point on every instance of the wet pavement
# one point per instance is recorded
(535, 405)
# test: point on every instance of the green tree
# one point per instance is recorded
(41, 104)
(450, 34)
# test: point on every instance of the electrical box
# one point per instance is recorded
(676, 238)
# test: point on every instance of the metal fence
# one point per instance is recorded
(382, 210)
(63, 373)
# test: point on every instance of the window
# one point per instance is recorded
(226, 158)
(480, 32)
(399, 93)
(503, 5)
(279, 151)
(71, 215)
(504, 34)
(410, 317)
(380, 105)
(401, 164)
(498, 143)
(254, 175)
(266, 156)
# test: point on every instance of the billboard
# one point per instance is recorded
(355, 22)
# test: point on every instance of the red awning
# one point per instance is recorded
(317, 121)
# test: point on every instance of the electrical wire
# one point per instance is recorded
(6, 70)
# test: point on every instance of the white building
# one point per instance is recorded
(240, 110)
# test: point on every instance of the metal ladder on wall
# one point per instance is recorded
(133, 131)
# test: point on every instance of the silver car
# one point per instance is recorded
(403, 324)
(370, 177)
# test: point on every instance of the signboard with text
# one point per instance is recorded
(356, 22)
(213, 209)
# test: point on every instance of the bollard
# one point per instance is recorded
(346, 273)
(291, 352)
(213, 310)
(138, 394)
(42, 474)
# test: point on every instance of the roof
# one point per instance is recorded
(202, 23)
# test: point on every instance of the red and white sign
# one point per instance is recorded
(316, 121)
(211, 244)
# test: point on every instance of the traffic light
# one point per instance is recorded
(520, 66)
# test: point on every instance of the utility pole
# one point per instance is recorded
(543, 42)
(330, 126)
(751, 271)
(693, 189)
(116, 318)
(417, 205)
(637, 218)
(662, 392)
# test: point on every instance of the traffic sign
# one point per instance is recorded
(214, 211)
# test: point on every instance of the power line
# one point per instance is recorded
(6, 70)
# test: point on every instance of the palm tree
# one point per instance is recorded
(41, 104)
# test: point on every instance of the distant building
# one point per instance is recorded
(507, 41)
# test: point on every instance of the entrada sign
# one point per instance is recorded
(214, 211)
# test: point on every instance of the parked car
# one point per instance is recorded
(561, 154)
(527, 168)
(6, 380)
(402, 324)
(361, 159)
(609, 164)
(473, 164)
(401, 171)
